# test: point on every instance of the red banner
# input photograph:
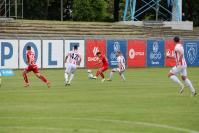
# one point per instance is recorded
(92, 47)
(169, 50)
(136, 53)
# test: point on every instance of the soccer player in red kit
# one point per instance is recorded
(32, 67)
(101, 60)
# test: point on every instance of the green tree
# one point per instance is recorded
(89, 10)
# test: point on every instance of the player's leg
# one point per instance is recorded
(188, 82)
(26, 84)
(102, 75)
(41, 77)
(67, 74)
(73, 69)
(121, 73)
(100, 72)
(172, 75)
(111, 74)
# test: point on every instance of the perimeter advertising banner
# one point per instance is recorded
(52, 54)
(69, 44)
(191, 52)
(112, 47)
(169, 50)
(155, 53)
(92, 47)
(136, 53)
(35, 47)
(9, 54)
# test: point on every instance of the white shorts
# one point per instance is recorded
(70, 68)
(118, 70)
(179, 70)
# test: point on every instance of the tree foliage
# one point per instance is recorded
(89, 10)
(95, 10)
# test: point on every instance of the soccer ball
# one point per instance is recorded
(90, 75)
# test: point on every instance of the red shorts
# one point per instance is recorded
(33, 68)
(103, 68)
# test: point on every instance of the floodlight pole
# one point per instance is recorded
(5, 15)
(61, 10)
(16, 8)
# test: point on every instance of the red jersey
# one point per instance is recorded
(104, 60)
(30, 58)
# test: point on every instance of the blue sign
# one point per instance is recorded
(6, 72)
(112, 47)
(155, 53)
(191, 49)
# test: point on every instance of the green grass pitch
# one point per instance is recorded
(148, 102)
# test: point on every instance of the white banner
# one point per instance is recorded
(69, 44)
(52, 54)
(9, 54)
(35, 47)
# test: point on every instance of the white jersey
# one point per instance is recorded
(121, 62)
(74, 57)
(179, 61)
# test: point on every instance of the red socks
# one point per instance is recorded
(99, 73)
(43, 79)
(25, 77)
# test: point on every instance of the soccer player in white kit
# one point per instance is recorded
(73, 59)
(121, 66)
(180, 67)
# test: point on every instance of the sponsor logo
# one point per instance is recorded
(116, 48)
(170, 52)
(95, 50)
(113, 57)
(191, 49)
(133, 53)
(94, 58)
(155, 55)
(6, 72)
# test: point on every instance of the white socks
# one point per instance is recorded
(122, 76)
(189, 84)
(71, 78)
(66, 77)
(111, 75)
(175, 79)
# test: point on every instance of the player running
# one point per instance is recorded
(72, 59)
(180, 67)
(101, 60)
(32, 67)
(121, 67)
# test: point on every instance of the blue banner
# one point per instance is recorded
(6, 72)
(112, 47)
(191, 49)
(155, 53)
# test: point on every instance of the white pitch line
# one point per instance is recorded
(58, 129)
(113, 121)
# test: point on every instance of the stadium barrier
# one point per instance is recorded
(138, 53)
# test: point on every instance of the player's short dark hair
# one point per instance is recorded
(119, 52)
(75, 47)
(28, 47)
(176, 39)
(98, 53)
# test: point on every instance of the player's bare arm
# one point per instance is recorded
(66, 59)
